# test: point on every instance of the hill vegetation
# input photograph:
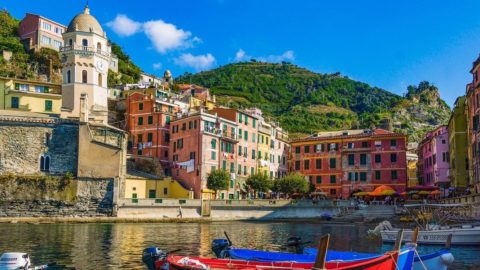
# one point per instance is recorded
(305, 102)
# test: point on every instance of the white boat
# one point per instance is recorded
(429, 217)
(18, 261)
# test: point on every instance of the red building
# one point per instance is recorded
(148, 124)
(343, 162)
(37, 32)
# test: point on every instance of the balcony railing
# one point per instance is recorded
(86, 49)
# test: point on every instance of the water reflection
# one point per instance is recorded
(119, 246)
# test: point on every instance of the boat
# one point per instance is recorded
(431, 218)
(19, 260)
(222, 248)
(155, 259)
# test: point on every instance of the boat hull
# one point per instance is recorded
(437, 237)
(439, 260)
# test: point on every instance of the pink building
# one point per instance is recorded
(38, 32)
(434, 158)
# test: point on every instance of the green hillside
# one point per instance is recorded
(305, 102)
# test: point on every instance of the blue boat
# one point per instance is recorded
(408, 256)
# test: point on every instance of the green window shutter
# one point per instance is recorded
(319, 179)
(48, 105)
(168, 119)
(333, 179)
(363, 176)
(232, 167)
(254, 123)
(224, 165)
(17, 86)
(245, 134)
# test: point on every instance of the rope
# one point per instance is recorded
(420, 259)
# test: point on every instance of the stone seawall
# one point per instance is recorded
(41, 196)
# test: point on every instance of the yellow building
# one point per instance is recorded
(139, 187)
(32, 96)
(263, 146)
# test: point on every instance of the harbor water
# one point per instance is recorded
(119, 246)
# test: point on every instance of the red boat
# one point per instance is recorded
(175, 262)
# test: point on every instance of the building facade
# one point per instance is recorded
(341, 163)
(31, 96)
(38, 32)
(457, 141)
(434, 152)
(200, 143)
(279, 149)
(473, 123)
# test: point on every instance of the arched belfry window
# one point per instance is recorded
(70, 42)
(99, 47)
(85, 44)
(45, 163)
(69, 76)
(100, 79)
(84, 76)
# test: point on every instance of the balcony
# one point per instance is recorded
(264, 130)
(355, 149)
(85, 50)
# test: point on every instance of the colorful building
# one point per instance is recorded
(434, 152)
(412, 160)
(343, 162)
(148, 124)
(247, 135)
(37, 32)
(473, 123)
(457, 141)
(279, 149)
(32, 96)
(200, 143)
(139, 186)
(263, 148)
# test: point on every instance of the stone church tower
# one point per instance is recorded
(86, 57)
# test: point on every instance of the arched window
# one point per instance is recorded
(84, 76)
(99, 47)
(45, 163)
(100, 81)
(69, 76)
(70, 42)
(85, 44)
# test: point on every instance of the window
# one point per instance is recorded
(378, 158)
(239, 170)
(48, 105)
(100, 80)
(393, 143)
(45, 163)
(84, 43)
(99, 47)
(363, 176)
(184, 126)
(333, 163)
(214, 155)
(254, 122)
(69, 74)
(165, 191)
(152, 193)
(377, 175)
(149, 137)
(180, 143)
(192, 155)
(297, 165)
(253, 154)
(393, 158)
(306, 164)
(213, 143)
(252, 171)
(245, 135)
(319, 179)
(70, 42)
(240, 118)
(232, 167)
(239, 133)
(333, 179)
(47, 139)
(363, 159)
(47, 26)
(351, 159)
(244, 170)
(306, 149)
(15, 102)
(84, 76)
(246, 119)
(150, 119)
(140, 121)
(350, 176)
(333, 191)
(139, 138)
(364, 144)
(318, 163)
(46, 40)
(167, 119)
(394, 175)
(350, 145)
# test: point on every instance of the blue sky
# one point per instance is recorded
(389, 44)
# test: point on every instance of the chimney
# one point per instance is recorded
(84, 108)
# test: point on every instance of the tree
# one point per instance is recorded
(292, 183)
(259, 182)
(218, 180)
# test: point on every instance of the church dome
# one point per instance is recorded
(86, 23)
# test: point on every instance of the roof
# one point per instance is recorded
(47, 19)
(349, 134)
(31, 81)
(85, 22)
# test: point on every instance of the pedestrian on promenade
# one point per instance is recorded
(180, 212)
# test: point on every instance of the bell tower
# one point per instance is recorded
(85, 57)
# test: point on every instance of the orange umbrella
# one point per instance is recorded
(403, 193)
(435, 192)
(381, 190)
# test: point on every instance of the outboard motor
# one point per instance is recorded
(151, 255)
(297, 243)
(220, 247)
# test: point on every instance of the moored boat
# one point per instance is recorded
(19, 260)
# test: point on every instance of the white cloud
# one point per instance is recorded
(124, 26)
(197, 62)
(166, 36)
(157, 66)
(241, 55)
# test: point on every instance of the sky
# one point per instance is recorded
(388, 44)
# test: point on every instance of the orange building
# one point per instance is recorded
(148, 124)
(343, 162)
